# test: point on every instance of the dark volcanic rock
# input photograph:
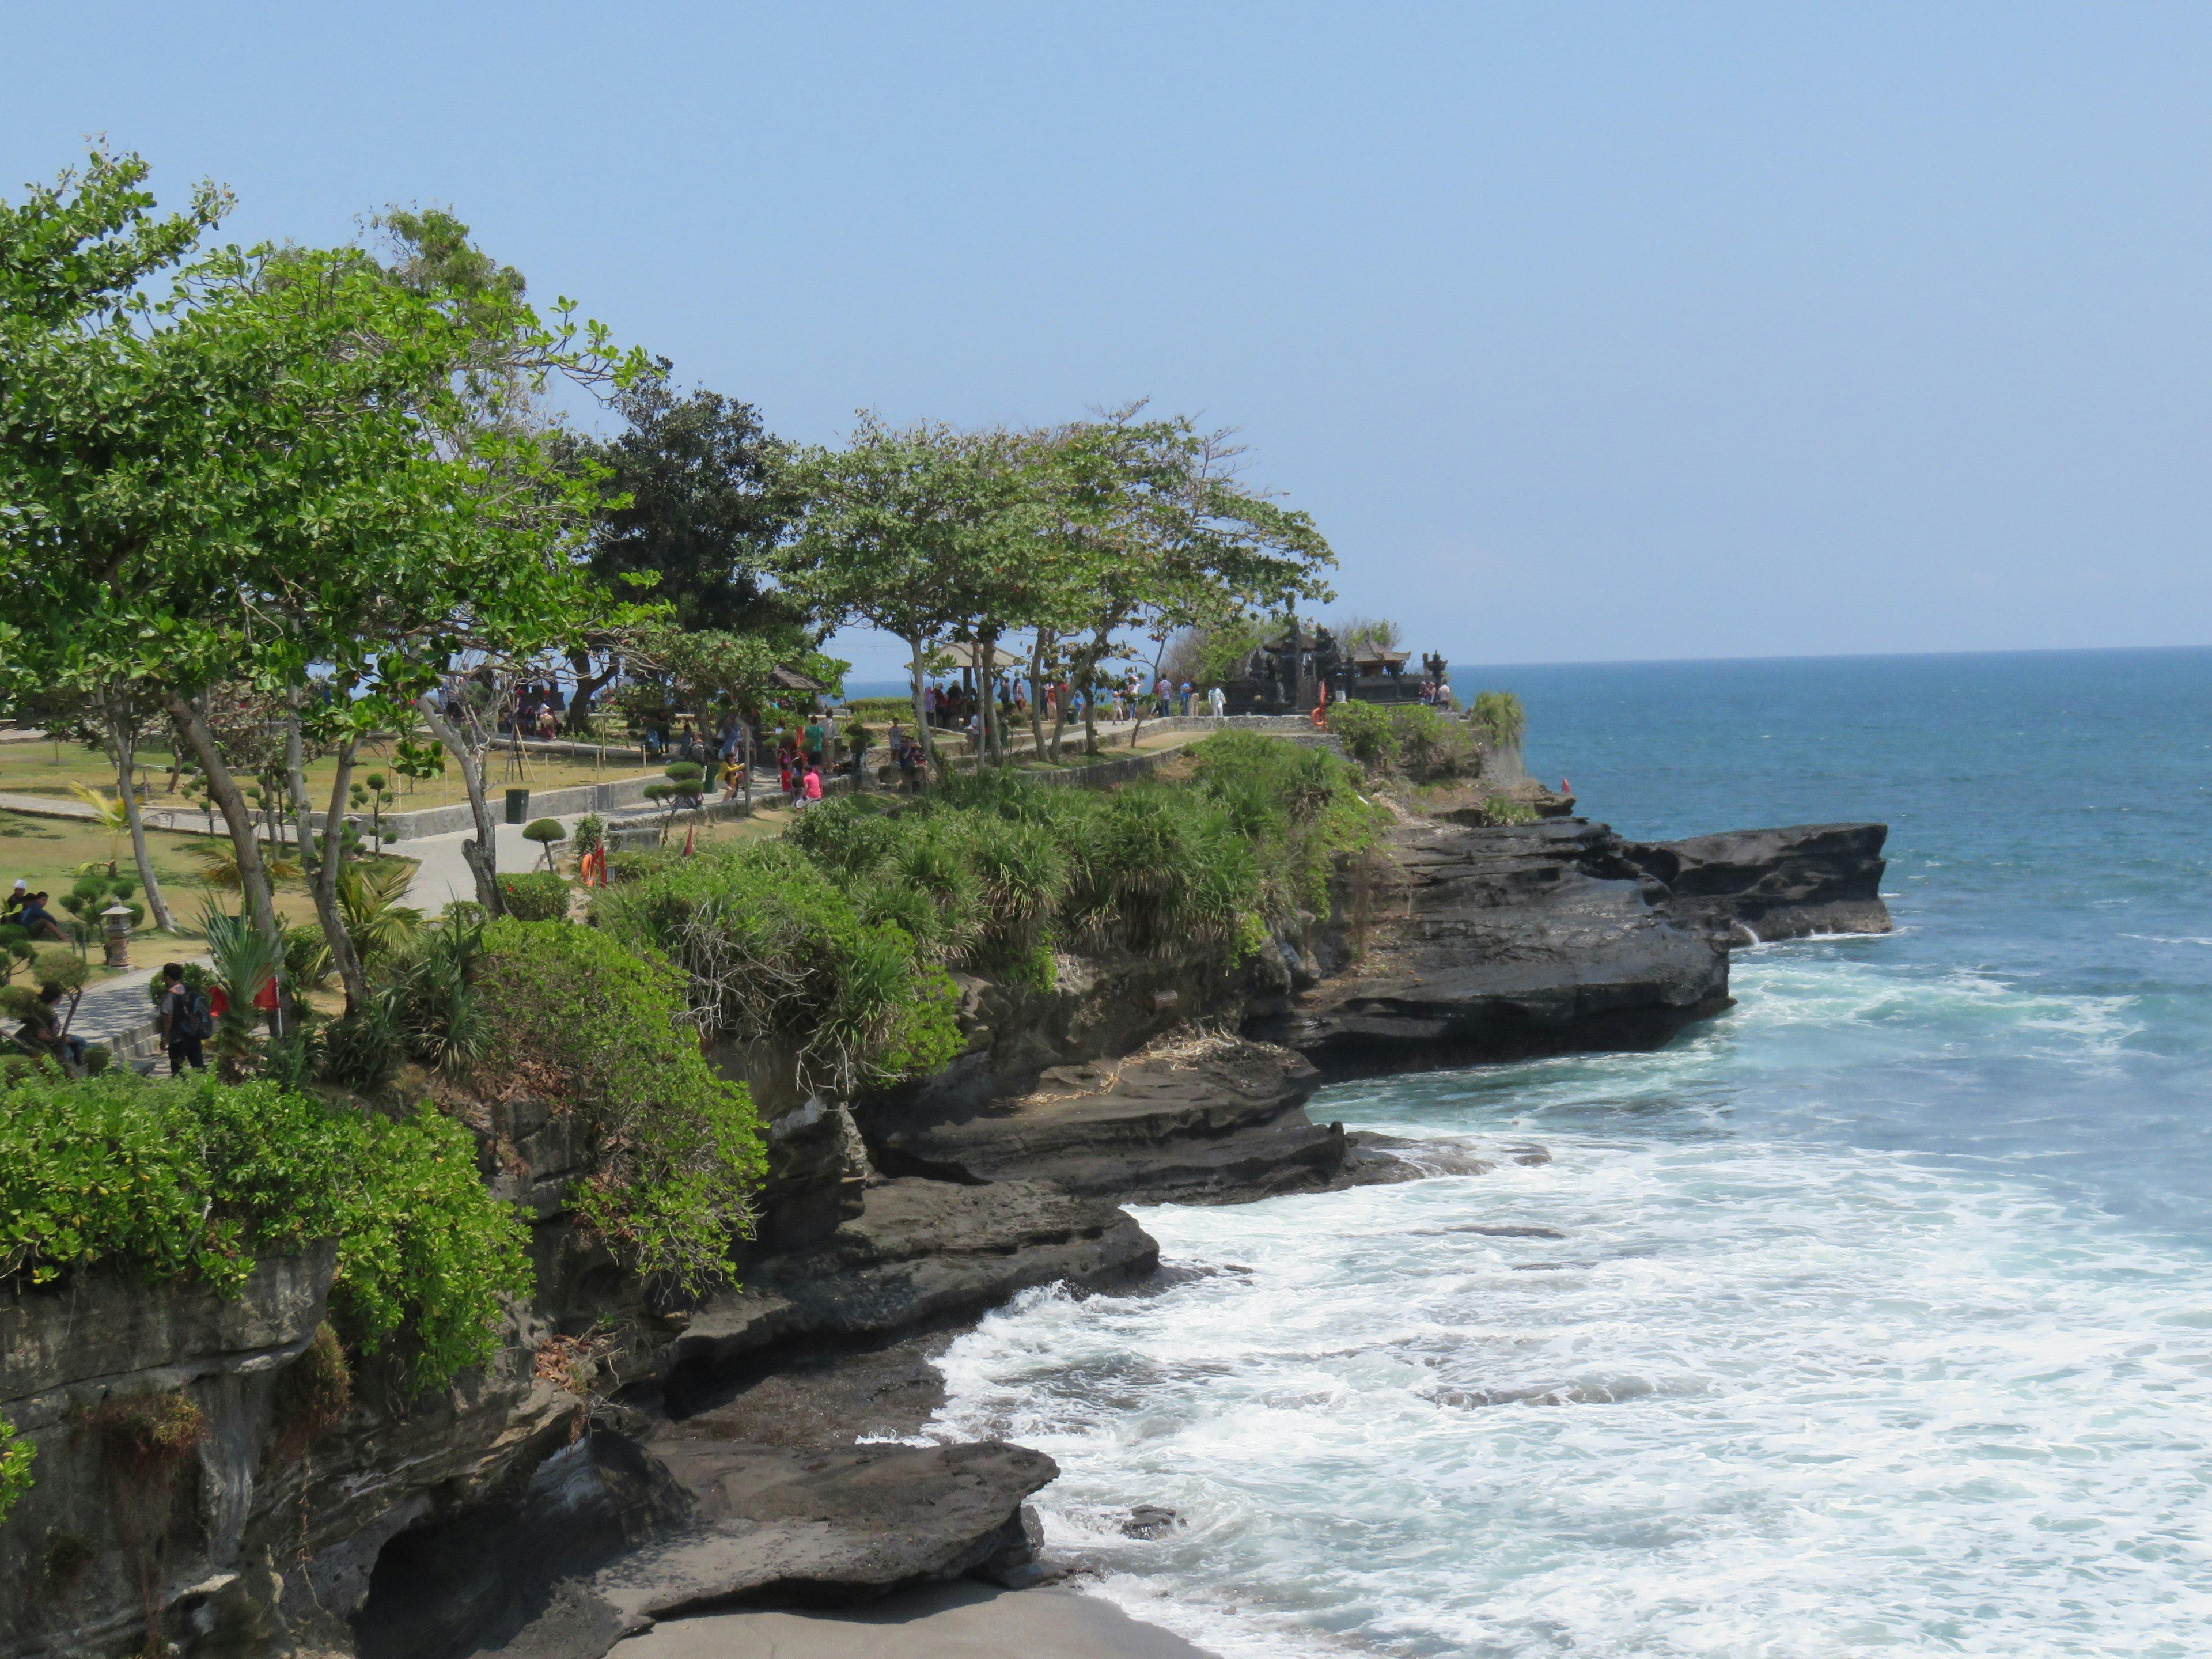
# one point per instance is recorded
(775, 1524)
(1771, 884)
(1491, 943)
(1212, 1117)
(921, 1251)
(760, 1525)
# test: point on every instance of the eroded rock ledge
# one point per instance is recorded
(489, 1519)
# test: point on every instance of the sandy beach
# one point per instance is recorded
(953, 1621)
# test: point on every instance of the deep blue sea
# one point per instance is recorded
(1871, 1318)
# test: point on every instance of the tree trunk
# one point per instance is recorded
(1037, 696)
(922, 732)
(588, 686)
(351, 974)
(482, 854)
(253, 883)
(125, 755)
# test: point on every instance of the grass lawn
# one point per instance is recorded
(32, 769)
(47, 852)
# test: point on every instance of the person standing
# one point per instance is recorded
(1183, 695)
(1217, 704)
(186, 1024)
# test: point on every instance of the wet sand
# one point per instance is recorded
(954, 1621)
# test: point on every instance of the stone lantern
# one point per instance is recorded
(118, 917)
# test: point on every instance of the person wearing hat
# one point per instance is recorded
(17, 898)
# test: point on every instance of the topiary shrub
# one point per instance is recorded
(548, 834)
(602, 1027)
(535, 897)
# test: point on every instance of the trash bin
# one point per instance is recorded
(518, 806)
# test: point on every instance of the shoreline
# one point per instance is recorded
(958, 1620)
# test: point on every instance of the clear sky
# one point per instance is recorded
(1585, 330)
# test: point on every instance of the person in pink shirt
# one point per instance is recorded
(811, 787)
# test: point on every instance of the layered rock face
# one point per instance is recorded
(487, 1519)
(1483, 943)
(1752, 885)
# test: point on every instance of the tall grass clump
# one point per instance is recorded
(771, 947)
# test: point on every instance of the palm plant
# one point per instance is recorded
(246, 959)
(218, 862)
(109, 812)
(369, 898)
(446, 1026)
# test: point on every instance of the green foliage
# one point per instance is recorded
(15, 1456)
(1498, 718)
(434, 999)
(1364, 728)
(994, 870)
(538, 896)
(307, 964)
(590, 834)
(1429, 744)
(363, 1051)
(771, 947)
(369, 892)
(602, 1027)
(312, 1395)
(425, 1253)
(191, 1179)
(1502, 810)
(544, 831)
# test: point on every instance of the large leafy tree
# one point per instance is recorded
(289, 458)
(695, 502)
(917, 530)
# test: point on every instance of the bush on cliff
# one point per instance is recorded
(771, 947)
(602, 1029)
(192, 1180)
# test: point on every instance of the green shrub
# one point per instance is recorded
(425, 1254)
(770, 945)
(676, 1150)
(1366, 729)
(193, 1179)
(307, 964)
(1499, 719)
(363, 1051)
(16, 1457)
(1502, 810)
(1429, 744)
(540, 897)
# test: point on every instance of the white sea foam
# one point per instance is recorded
(1758, 1399)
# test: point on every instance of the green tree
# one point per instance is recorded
(694, 500)
(916, 531)
(292, 456)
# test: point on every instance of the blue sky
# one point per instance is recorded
(1586, 331)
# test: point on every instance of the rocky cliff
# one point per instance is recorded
(630, 1455)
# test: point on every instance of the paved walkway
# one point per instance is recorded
(121, 1006)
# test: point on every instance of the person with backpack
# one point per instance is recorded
(186, 1020)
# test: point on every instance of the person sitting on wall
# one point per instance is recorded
(42, 1033)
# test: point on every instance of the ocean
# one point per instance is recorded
(1870, 1317)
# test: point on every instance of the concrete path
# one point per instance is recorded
(119, 1006)
(62, 806)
